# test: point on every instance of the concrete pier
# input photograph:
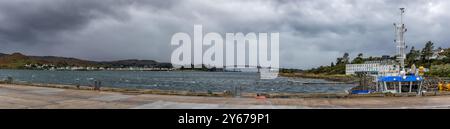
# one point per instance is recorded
(31, 97)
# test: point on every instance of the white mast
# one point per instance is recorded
(400, 30)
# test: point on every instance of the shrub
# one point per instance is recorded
(440, 70)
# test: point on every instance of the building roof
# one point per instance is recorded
(409, 78)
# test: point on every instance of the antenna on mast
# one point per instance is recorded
(400, 30)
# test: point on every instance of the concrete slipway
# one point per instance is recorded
(31, 97)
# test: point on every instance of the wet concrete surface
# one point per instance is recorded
(29, 97)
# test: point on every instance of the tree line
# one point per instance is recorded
(423, 57)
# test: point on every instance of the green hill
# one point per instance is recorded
(18, 61)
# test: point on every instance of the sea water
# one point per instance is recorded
(177, 80)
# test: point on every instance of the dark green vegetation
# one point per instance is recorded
(18, 61)
(440, 70)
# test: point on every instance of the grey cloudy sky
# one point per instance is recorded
(312, 32)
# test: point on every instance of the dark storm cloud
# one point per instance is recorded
(313, 32)
(25, 21)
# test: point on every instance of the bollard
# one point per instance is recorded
(77, 83)
(237, 91)
(448, 86)
(97, 85)
(440, 87)
(227, 93)
(9, 80)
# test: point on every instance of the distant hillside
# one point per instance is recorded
(62, 61)
(18, 61)
(15, 60)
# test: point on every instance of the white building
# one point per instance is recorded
(438, 54)
(372, 68)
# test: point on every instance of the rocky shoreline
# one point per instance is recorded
(334, 77)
